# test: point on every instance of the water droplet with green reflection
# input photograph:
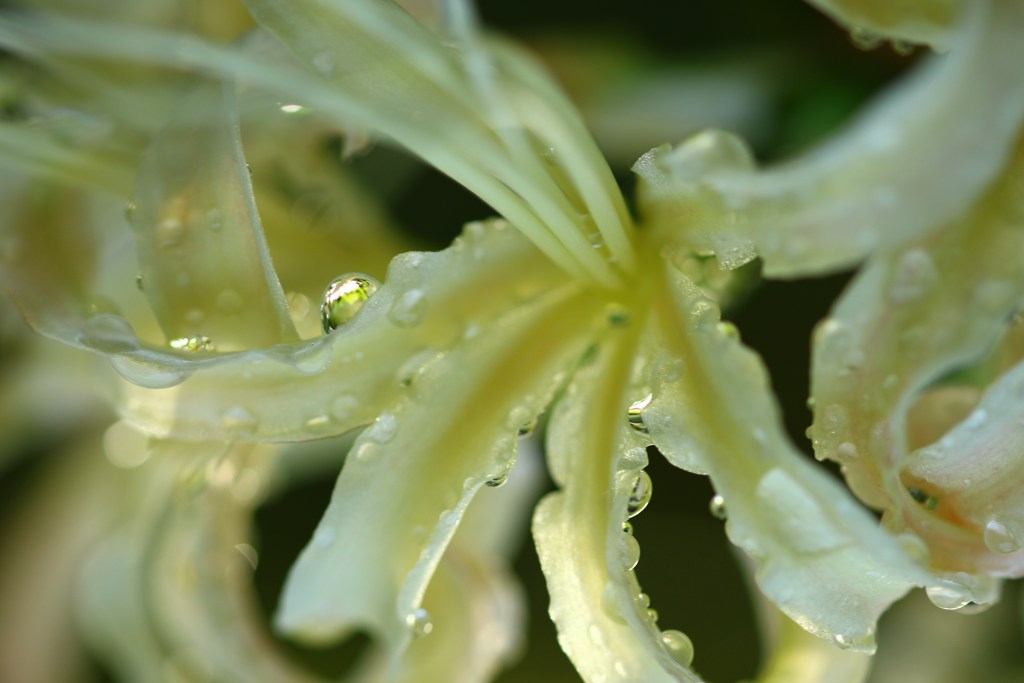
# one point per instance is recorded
(344, 297)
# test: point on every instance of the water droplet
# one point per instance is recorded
(652, 615)
(497, 480)
(610, 603)
(324, 63)
(415, 366)
(518, 418)
(678, 646)
(915, 275)
(949, 595)
(343, 406)
(170, 232)
(214, 219)
(976, 419)
(864, 39)
(249, 553)
(729, 330)
(229, 301)
(383, 429)
(129, 210)
(903, 48)
(928, 501)
(149, 373)
(237, 421)
(109, 333)
(409, 309)
(419, 622)
(318, 423)
(344, 297)
(635, 416)
(640, 496)
(999, 539)
(595, 635)
(617, 315)
(527, 428)
(703, 314)
(627, 528)
(629, 552)
(311, 357)
(139, 284)
(192, 344)
(846, 451)
(323, 537)
(717, 507)
(293, 109)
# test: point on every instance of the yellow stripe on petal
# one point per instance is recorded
(585, 552)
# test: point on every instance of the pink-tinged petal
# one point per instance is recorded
(914, 315)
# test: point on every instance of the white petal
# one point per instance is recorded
(411, 475)
(204, 264)
(584, 552)
(874, 184)
(821, 557)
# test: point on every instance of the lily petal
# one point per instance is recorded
(160, 593)
(972, 473)
(585, 554)
(475, 605)
(822, 559)
(915, 314)
(205, 266)
(873, 185)
(919, 21)
(408, 88)
(422, 462)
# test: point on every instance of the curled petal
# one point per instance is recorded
(313, 389)
(585, 553)
(386, 73)
(799, 657)
(410, 476)
(171, 590)
(911, 317)
(474, 605)
(205, 266)
(974, 474)
(822, 559)
(918, 21)
(871, 186)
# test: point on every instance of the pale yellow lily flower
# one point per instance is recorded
(563, 307)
